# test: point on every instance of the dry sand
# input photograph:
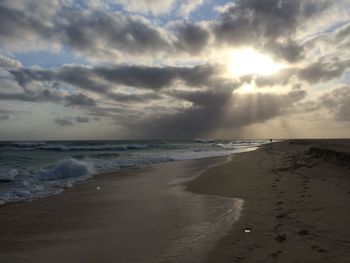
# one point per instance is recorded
(296, 203)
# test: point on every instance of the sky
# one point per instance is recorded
(174, 69)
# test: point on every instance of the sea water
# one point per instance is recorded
(30, 170)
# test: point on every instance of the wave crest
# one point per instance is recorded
(66, 168)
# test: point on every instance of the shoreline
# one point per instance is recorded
(113, 215)
(286, 215)
(297, 202)
(53, 180)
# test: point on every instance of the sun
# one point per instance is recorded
(250, 62)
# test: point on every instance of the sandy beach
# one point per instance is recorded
(134, 215)
(296, 202)
(285, 202)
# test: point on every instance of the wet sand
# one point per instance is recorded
(296, 203)
(137, 215)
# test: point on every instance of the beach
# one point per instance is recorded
(296, 202)
(134, 215)
(287, 201)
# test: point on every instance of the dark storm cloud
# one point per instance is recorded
(4, 117)
(63, 122)
(71, 121)
(49, 96)
(215, 110)
(15, 25)
(191, 38)
(157, 77)
(324, 70)
(80, 77)
(139, 76)
(85, 31)
(24, 76)
(267, 24)
(338, 102)
(100, 79)
(79, 100)
(80, 119)
(281, 78)
(93, 33)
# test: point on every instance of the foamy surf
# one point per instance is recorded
(31, 170)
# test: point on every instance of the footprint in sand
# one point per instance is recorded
(319, 249)
(303, 232)
(281, 216)
(238, 259)
(281, 237)
(276, 253)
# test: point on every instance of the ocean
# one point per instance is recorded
(31, 170)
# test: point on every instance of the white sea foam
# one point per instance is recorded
(27, 144)
(62, 147)
(21, 177)
(9, 175)
(68, 168)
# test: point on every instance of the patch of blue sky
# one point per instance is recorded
(336, 26)
(207, 11)
(46, 59)
(345, 79)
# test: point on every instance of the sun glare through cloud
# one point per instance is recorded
(251, 62)
(247, 87)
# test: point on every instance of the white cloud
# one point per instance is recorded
(224, 8)
(9, 63)
(188, 6)
(155, 7)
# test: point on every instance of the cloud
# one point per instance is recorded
(130, 98)
(79, 100)
(214, 110)
(50, 96)
(9, 63)
(100, 34)
(95, 33)
(4, 117)
(106, 35)
(191, 38)
(82, 119)
(101, 79)
(148, 6)
(338, 102)
(63, 122)
(71, 121)
(21, 29)
(149, 73)
(266, 24)
(324, 70)
(188, 6)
